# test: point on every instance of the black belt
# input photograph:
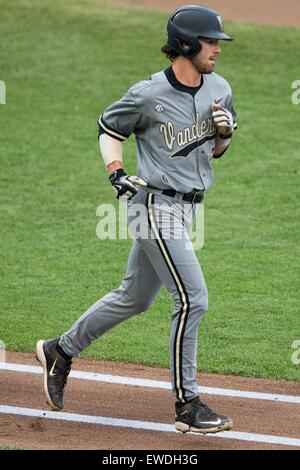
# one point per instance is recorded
(194, 196)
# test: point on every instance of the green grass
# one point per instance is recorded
(11, 448)
(63, 62)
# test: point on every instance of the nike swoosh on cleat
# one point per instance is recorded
(216, 423)
(51, 373)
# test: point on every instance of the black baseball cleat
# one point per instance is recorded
(195, 416)
(56, 371)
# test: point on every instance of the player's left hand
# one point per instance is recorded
(223, 119)
(125, 186)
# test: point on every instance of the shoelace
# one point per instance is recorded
(63, 373)
(68, 369)
(210, 413)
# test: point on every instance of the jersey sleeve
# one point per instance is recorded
(122, 118)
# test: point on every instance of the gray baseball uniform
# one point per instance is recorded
(175, 137)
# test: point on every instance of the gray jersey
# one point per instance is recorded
(175, 133)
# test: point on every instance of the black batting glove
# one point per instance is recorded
(125, 186)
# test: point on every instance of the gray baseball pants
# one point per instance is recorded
(163, 254)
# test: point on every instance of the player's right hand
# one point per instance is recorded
(125, 186)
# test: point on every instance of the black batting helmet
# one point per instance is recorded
(188, 23)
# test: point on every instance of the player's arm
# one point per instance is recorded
(116, 124)
(111, 151)
(124, 186)
(221, 145)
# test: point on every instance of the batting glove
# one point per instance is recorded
(125, 186)
(223, 120)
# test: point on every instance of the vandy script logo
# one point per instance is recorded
(188, 138)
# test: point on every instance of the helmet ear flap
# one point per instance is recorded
(190, 48)
(178, 37)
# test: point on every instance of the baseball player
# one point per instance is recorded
(182, 118)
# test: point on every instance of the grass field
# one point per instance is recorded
(10, 448)
(63, 62)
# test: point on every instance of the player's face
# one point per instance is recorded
(205, 60)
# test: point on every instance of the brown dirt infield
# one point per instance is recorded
(268, 12)
(138, 403)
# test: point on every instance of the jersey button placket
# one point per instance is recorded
(201, 152)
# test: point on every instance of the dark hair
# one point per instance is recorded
(169, 52)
